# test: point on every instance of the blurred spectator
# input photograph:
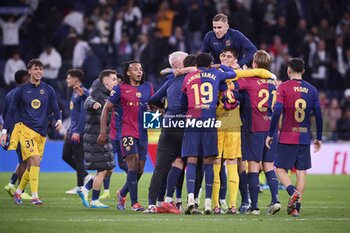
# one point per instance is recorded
(67, 48)
(118, 29)
(333, 113)
(345, 103)
(178, 41)
(80, 52)
(195, 21)
(75, 20)
(125, 51)
(12, 65)
(164, 19)
(320, 66)
(103, 26)
(132, 20)
(144, 53)
(180, 12)
(343, 125)
(10, 34)
(52, 62)
(92, 66)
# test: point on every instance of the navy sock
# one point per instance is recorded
(172, 180)
(272, 181)
(88, 185)
(291, 189)
(254, 187)
(131, 180)
(223, 183)
(106, 182)
(298, 206)
(179, 184)
(209, 179)
(95, 195)
(243, 186)
(191, 177)
(14, 178)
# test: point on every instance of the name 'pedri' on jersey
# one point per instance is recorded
(35, 104)
(258, 101)
(299, 100)
(134, 102)
(200, 90)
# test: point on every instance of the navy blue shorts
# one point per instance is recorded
(289, 156)
(256, 149)
(200, 142)
(131, 145)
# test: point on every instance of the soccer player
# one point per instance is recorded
(35, 101)
(73, 151)
(229, 140)
(200, 94)
(259, 95)
(21, 78)
(296, 99)
(97, 157)
(114, 135)
(133, 96)
(222, 36)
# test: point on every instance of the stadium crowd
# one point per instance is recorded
(97, 34)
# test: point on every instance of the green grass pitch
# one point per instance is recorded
(326, 208)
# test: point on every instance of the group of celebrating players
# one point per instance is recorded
(247, 135)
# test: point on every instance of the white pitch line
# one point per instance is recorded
(170, 220)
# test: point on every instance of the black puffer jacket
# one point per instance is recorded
(96, 157)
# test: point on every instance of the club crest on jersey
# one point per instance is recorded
(228, 43)
(138, 94)
(36, 103)
(42, 91)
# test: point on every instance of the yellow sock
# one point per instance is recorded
(34, 179)
(24, 181)
(233, 182)
(216, 184)
(262, 178)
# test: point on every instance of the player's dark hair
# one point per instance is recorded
(190, 60)
(34, 62)
(204, 60)
(126, 69)
(296, 64)
(77, 73)
(120, 76)
(234, 52)
(105, 73)
(20, 76)
(220, 17)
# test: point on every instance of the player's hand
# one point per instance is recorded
(101, 139)
(177, 72)
(58, 125)
(230, 86)
(268, 142)
(3, 140)
(245, 67)
(96, 106)
(79, 90)
(236, 66)
(75, 137)
(166, 71)
(317, 145)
